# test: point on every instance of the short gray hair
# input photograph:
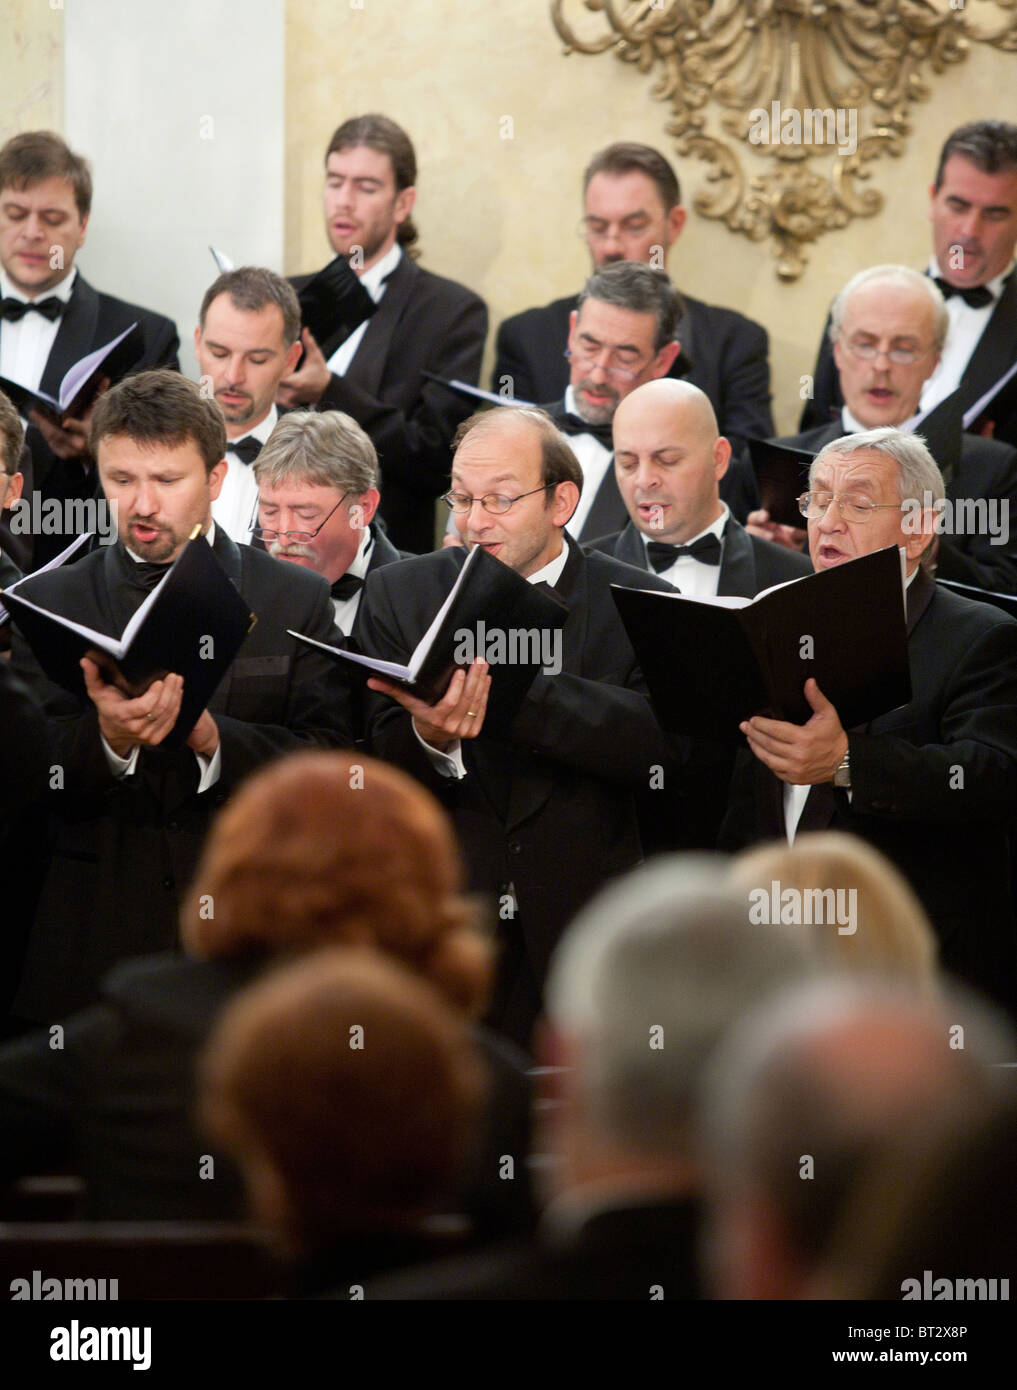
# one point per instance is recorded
(903, 275)
(668, 947)
(918, 474)
(321, 448)
(642, 290)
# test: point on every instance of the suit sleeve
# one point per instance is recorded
(414, 441)
(511, 361)
(971, 774)
(745, 381)
(318, 703)
(972, 557)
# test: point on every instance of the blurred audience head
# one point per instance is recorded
(333, 848)
(348, 1091)
(938, 1205)
(643, 985)
(804, 1094)
(862, 913)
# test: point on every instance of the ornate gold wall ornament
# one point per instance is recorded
(785, 72)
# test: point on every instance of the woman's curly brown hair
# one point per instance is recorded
(335, 848)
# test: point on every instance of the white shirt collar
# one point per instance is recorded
(358, 565)
(61, 291)
(994, 286)
(552, 571)
(373, 280)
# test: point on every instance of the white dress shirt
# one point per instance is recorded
(209, 769)
(966, 328)
(346, 608)
(234, 509)
(450, 761)
(795, 795)
(373, 281)
(25, 346)
(594, 460)
(690, 576)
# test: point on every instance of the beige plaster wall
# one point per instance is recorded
(31, 66)
(500, 214)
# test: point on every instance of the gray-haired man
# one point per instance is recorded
(934, 783)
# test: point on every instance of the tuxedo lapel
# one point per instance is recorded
(608, 511)
(631, 549)
(368, 365)
(75, 337)
(738, 567)
(532, 783)
(995, 349)
(228, 554)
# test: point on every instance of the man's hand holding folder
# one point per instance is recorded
(458, 714)
(126, 722)
(802, 754)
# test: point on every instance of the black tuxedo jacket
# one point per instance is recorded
(687, 814)
(90, 320)
(125, 849)
(934, 783)
(547, 805)
(988, 469)
(728, 354)
(423, 323)
(995, 350)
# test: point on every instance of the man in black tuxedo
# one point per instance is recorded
(423, 324)
(934, 783)
(633, 212)
(50, 317)
(129, 815)
(888, 326)
(621, 334)
(543, 804)
(974, 229)
(643, 987)
(669, 460)
(246, 341)
(317, 481)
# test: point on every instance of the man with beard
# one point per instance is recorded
(246, 341)
(129, 814)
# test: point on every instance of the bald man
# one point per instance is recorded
(888, 327)
(669, 458)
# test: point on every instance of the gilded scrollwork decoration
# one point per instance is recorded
(809, 94)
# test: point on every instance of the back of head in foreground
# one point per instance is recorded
(349, 1093)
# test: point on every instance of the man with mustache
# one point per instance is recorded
(246, 341)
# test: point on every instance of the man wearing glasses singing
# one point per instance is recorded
(621, 334)
(932, 784)
(888, 326)
(544, 804)
(318, 494)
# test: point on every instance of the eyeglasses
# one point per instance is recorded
(458, 501)
(590, 357)
(817, 504)
(901, 357)
(266, 533)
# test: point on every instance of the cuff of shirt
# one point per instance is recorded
(447, 762)
(121, 767)
(209, 769)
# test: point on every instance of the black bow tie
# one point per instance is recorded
(143, 575)
(346, 586)
(572, 424)
(977, 297)
(16, 309)
(662, 556)
(246, 449)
